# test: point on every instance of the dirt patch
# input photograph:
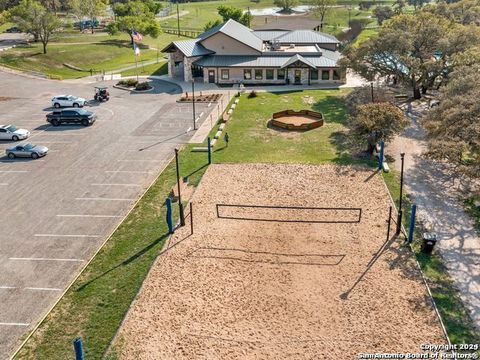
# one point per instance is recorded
(242, 287)
(6, 98)
(308, 100)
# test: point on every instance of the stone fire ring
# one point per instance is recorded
(297, 120)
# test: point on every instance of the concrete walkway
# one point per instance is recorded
(436, 192)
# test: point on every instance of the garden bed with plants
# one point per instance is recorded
(134, 85)
(200, 98)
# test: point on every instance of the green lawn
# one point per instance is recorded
(252, 141)
(363, 36)
(96, 304)
(152, 69)
(104, 54)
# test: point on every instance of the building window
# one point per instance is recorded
(281, 74)
(314, 74)
(269, 74)
(336, 75)
(258, 74)
(247, 74)
(225, 74)
(325, 74)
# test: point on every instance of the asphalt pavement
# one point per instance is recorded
(57, 211)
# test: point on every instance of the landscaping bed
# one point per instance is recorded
(200, 98)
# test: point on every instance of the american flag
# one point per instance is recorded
(136, 36)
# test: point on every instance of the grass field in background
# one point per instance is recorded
(105, 54)
(363, 36)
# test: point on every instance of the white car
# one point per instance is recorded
(68, 101)
(11, 132)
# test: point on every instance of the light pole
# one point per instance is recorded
(399, 219)
(193, 104)
(180, 205)
(178, 20)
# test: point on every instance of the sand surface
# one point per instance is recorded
(298, 120)
(255, 289)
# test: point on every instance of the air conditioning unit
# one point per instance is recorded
(292, 46)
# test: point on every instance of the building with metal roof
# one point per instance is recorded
(232, 53)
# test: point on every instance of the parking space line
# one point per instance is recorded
(45, 259)
(105, 199)
(14, 171)
(54, 133)
(67, 235)
(20, 160)
(114, 184)
(55, 142)
(13, 324)
(139, 160)
(42, 289)
(128, 171)
(90, 216)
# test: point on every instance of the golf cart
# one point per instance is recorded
(101, 93)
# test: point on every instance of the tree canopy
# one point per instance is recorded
(33, 18)
(136, 15)
(453, 127)
(383, 13)
(237, 14)
(417, 49)
(286, 5)
(321, 7)
(89, 8)
(375, 122)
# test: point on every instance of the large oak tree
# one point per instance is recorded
(417, 49)
(453, 127)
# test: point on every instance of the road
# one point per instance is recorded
(57, 211)
(436, 193)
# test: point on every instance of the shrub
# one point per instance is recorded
(143, 86)
(252, 94)
(128, 82)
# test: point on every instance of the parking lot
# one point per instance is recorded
(58, 210)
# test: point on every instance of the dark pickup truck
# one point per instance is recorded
(71, 116)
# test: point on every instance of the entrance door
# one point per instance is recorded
(298, 76)
(211, 76)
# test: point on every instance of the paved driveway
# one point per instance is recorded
(56, 211)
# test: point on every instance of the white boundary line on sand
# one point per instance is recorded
(99, 184)
(89, 261)
(13, 324)
(67, 235)
(104, 199)
(88, 216)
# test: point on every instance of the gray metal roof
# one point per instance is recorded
(260, 61)
(306, 37)
(190, 48)
(295, 58)
(268, 35)
(236, 31)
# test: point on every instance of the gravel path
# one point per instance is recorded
(436, 193)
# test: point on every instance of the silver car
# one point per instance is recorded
(11, 132)
(26, 150)
(68, 101)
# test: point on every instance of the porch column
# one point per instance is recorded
(171, 65)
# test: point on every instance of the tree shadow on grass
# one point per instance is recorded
(126, 261)
(332, 108)
(348, 150)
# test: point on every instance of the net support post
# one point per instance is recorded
(412, 224)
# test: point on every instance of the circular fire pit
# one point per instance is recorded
(297, 120)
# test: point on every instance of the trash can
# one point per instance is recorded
(428, 242)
